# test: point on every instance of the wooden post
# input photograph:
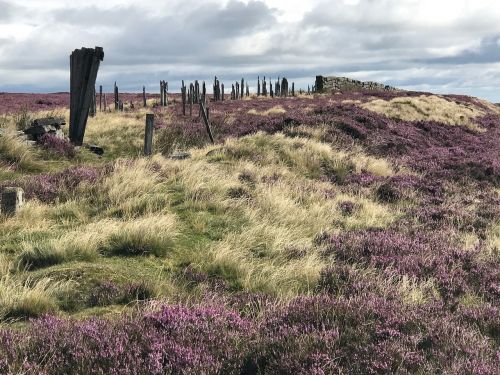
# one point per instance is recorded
(205, 120)
(84, 65)
(222, 92)
(183, 90)
(191, 94)
(271, 93)
(105, 103)
(144, 96)
(248, 90)
(117, 98)
(148, 134)
(92, 109)
(293, 88)
(258, 86)
(100, 98)
(12, 200)
(165, 91)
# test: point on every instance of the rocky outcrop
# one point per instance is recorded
(343, 84)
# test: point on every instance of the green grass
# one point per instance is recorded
(233, 212)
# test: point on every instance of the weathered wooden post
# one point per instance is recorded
(183, 91)
(232, 92)
(100, 98)
(264, 87)
(117, 98)
(12, 200)
(242, 88)
(92, 109)
(105, 103)
(222, 91)
(144, 96)
(148, 134)
(161, 93)
(271, 93)
(191, 99)
(205, 120)
(258, 86)
(120, 105)
(248, 90)
(308, 90)
(84, 65)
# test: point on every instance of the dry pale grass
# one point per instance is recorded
(28, 298)
(269, 182)
(427, 108)
(276, 110)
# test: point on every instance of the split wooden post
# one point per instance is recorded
(84, 65)
(144, 96)
(205, 120)
(148, 134)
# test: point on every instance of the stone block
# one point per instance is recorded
(12, 200)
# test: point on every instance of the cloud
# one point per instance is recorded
(413, 43)
(487, 52)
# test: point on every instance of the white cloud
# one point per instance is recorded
(433, 44)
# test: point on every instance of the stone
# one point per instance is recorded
(12, 200)
(98, 150)
(179, 155)
(343, 84)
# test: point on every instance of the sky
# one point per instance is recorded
(441, 46)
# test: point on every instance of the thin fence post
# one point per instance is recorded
(183, 98)
(148, 134)
(207, 123)
(144, 96)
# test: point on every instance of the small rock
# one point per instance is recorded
(180, 155)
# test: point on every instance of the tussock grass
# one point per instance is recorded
(427, 108)
(17, 153)
(29, 298)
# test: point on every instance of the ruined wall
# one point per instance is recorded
(327, 84)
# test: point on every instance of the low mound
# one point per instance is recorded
(428, 108)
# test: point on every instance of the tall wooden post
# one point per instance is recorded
(84, 65)
(148, 134)
(161, 93)
(242, 88)
(183, 90)
(222, 92)
(258, 86)
(293, 88)
(165, 91)
(117, 98)
(144, 96)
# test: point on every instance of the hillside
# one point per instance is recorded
(338, 233)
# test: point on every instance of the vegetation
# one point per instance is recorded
(353, 233)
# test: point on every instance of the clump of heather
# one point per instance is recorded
(49, 187)
(176, 339)
(108, 293)
(57, 145)
(456, 272)
(362, 333)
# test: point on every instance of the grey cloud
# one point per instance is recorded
(488, 52)
(6, 10)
